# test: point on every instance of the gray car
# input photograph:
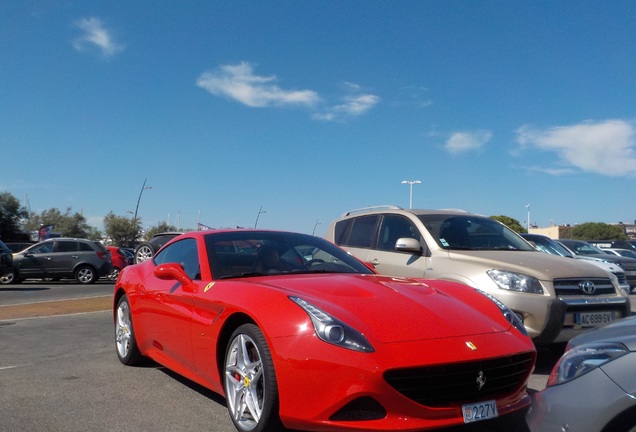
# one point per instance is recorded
(58, 258)
(593, 386)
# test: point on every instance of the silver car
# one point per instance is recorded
(593, 386)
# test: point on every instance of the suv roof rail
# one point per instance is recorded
(380, 207)
(455, 210)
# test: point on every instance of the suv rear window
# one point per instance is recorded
(357, 232)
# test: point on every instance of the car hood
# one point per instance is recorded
(623, 331)
(396, 309)
(605, 265)
(608, 257)
(537, 264)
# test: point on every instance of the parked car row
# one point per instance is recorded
(62, 258)
(59, 258)
(250, 313)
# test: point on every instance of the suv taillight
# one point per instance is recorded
(101, 254)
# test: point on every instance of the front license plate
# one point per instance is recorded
(480, 411)
(593, 319)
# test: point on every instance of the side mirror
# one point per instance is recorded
(174, 271)
(407, 244)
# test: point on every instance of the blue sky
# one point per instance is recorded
(308, 109)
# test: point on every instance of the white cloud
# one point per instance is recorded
(461, 142)
(352, 106)
(239, 82)
(605, 147)
(95, 36)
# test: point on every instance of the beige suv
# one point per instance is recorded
(556, 297)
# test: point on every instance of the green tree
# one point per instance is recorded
(68, 224)
(122, 231)
(511, 223)
(11, 216)
(597, 231)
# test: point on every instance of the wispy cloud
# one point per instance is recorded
(605, 147)
(95, 38)
(239, 82)
(462, 142)
(351, 106)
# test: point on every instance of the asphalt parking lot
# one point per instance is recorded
(60, 373)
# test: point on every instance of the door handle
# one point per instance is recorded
(74, 256)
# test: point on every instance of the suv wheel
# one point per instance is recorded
(85, 275)
(9, 277)
(144, 251)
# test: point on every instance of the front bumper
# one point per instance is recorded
(326, 392)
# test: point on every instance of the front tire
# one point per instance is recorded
(251, 389)
(125, 342)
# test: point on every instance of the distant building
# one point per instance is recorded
(562, 231)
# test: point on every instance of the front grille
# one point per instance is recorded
(571, 287)
(459, 382)
(621, 278)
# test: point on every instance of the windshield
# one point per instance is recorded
(470, 232)
(584, 248)
(547, 245)
(258, 253)
(4, 248)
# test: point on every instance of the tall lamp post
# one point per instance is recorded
(528, 224)
(411, 183)
(260, 211)
(143, 187)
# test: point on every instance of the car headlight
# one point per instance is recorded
(332, 330)
(508, 313)
(515, 281)
(582, 359)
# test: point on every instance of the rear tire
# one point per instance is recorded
(85, 275)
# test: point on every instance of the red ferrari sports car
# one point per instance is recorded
(296, 333)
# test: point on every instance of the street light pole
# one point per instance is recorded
(260, 210)
(528, 224)
(411, 183)
(143, 187)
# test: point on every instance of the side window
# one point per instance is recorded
(85, 247)
(65, 246)
(43, 248)
(394, 227)
(362, 231)
(183, 252)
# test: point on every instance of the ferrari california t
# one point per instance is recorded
(296, 333)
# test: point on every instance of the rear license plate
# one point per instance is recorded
(593, 319)
(480, 411)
